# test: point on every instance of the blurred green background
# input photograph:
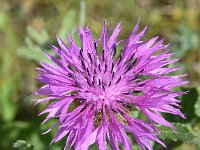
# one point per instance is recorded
(29, 26)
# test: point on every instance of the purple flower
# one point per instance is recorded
(92, 94)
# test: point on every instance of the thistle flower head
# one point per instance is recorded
(92, 92)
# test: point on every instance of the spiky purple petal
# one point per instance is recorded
(92, 95)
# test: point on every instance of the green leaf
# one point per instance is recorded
(183, 133)
(68, 23)
(82, 12)
(22, 145)
(34, 54)
(39, 37)
(29, 53)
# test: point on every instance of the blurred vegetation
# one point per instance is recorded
(29, 26)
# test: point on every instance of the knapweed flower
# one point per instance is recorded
(92, 92)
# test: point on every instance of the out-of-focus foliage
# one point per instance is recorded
(183, 133)
(185, 40)
(22, 145)
(197, 104)
(29, 26)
